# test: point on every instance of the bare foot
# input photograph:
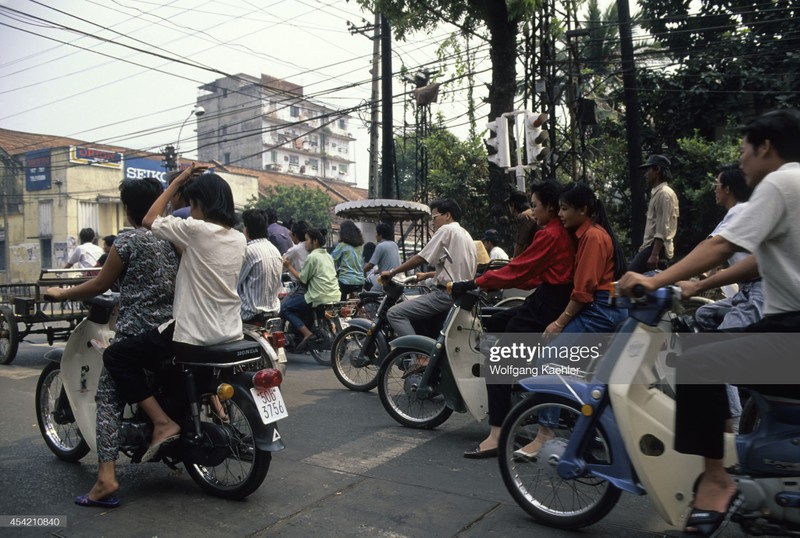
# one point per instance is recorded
(714, 494)
(542, 436)
(103, 489)
(487, 444)
(163, 431)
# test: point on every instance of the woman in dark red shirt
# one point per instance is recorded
(546, 265)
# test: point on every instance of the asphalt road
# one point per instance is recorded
(348, 470)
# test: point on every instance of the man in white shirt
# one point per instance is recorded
(260, 278)
(447, 234)
(87, 253)
(491, 240)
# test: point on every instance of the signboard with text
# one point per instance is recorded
(37, 170)
(140, 167)
(95, 157)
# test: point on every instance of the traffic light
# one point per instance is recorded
(170, 158)
(497, 146)
(535, 137)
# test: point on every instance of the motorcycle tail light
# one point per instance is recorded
(277, 339)
(347, 312)
(266, 379)
(224, 392)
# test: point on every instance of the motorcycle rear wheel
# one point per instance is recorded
(244, 468)
(398, 395)
(346, 347)
(63, 439)
(534, 483)
(326, 333)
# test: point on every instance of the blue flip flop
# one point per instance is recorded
(108, 502)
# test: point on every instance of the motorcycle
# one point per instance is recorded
(615, 434)
(228, 415)
(325, 321)
(357, 351)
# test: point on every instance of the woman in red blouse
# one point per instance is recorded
(546, 265)
(599, 261)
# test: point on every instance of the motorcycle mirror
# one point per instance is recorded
(446, 256)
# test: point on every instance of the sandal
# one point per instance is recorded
(710, 523)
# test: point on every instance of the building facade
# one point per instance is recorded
(267, 124)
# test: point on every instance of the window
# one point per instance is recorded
(314, 164)
(294, 111)
(226, 157)
(46, 252)
(274, 156)
(88, 215)
(3, 252)
(342, 168)
(224, 92)
(45, 218)
(342, 124)
(223, 131)
(294, 160)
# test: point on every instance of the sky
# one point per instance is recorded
(127, 72)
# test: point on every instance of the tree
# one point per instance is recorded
(297, 203)
(501, 20)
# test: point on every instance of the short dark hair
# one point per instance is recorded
(519, 200)
(256, 223)
(109, 240)
(86, 235)
(214, 196)
(731, 176)
(385, 230)
(781, 128)
(350, 234)
(447, 205)
(548, 192)
(315, 234)
(272, 216)
(138, 195)
(300, 228)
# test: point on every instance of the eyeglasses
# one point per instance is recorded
(436, 215)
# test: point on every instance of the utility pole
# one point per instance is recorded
(632, 124)
(387, 153)
(374, 133)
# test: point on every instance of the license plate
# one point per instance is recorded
(281, 355)
(270, 404)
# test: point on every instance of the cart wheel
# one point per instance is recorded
(9, 336)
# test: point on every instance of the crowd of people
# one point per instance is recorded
(191, 278)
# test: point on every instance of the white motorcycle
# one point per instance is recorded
(228, 414)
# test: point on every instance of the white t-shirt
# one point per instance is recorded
(739, 256)
(206, 308)
(769, 228)
(462, 249)
(297, 254)
(85, 255)
(498, 253)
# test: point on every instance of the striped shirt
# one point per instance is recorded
(260, 278)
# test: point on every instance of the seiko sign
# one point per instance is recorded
(140, 168)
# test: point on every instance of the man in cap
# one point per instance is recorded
(491, 240)
(662, 218)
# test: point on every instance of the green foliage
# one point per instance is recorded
(297, 203)
(459, 170)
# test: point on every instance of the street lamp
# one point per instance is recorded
(196, 111)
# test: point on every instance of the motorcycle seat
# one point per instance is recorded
(229, 352)
(371, 295)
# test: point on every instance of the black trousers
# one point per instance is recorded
(639, 263)
(127, 360)
(747, 359)
(540, 309)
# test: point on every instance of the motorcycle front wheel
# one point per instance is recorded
(534, 482)
(245, 466)
(399, 394)
(55, 418)
(345, 349)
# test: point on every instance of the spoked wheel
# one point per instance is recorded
(344, 356)
(245, 466)
(55, 418)
(321, 349)
(9, 335)
(534, 482)
(399, 396)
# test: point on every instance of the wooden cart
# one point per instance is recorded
(23, 310)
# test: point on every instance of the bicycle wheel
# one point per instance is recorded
(534, 482)
(9, 335)
(399, 395)
(345, 349)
